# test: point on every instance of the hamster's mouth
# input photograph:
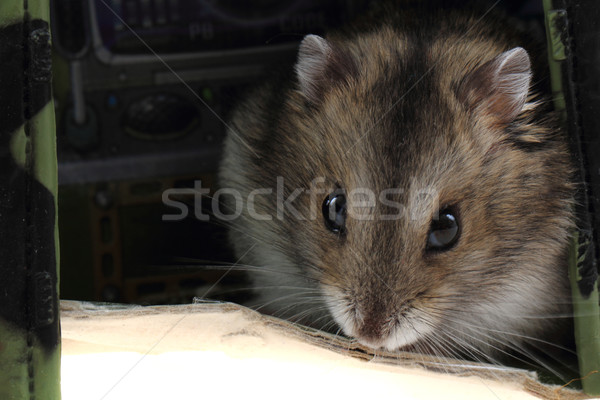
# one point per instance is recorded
(399, 338)
(393, 341)
(395, 333)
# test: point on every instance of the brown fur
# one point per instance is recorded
(397, 119)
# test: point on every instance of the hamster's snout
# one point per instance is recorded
(376, 324)
(375, 333)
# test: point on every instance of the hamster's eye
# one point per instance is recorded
(444, 231)
(334, 212)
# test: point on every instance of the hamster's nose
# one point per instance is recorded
(373, 330)
(370, 329)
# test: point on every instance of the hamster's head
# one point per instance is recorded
(436, 199)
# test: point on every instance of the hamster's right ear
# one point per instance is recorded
(321, 65)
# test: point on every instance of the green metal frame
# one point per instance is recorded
(29, 320)
(586, 309)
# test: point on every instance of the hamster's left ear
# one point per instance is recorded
(498, 88)
(320, 66)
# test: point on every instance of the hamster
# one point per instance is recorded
(407, 184)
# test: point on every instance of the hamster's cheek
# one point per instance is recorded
(340, 309)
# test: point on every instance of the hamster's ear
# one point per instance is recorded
(499, 87)
(320, 64)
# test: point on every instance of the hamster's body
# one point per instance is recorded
(436, 110)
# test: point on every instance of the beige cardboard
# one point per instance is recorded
(222, 350)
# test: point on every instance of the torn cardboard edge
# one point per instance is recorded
(242, 332)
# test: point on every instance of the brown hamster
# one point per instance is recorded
(408, 183)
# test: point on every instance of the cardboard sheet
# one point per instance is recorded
(223, 350)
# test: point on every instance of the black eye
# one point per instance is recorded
(334, 212)
(444, 231)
